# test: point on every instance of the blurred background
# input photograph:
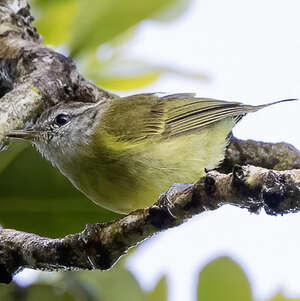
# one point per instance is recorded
(232, 50)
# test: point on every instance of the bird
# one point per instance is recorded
(123, 152)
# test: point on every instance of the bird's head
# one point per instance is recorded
(63, 131)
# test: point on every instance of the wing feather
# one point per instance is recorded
(144, 116)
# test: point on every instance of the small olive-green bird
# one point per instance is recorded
(123, 152)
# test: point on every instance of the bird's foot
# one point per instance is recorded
(165, 198)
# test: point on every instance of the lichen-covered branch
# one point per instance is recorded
(278, 156)
(99, 246)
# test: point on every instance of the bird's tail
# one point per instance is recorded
(259, 107)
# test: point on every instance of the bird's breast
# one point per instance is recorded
(124, 179)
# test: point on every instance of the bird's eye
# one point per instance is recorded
(62, 119)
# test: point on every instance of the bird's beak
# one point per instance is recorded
(23, 134)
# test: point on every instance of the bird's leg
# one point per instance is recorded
(176, 187)
(165, 198)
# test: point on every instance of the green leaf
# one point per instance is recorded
(126, 74)
(35, 292)
(114, 285)
(100, 21)
(173, 11)
(116, 74)
(160, 291)
(7, 156)
(6, 292)
(223, 280)
(45, 292)
(36, 198)
(127, 83)
(56, 21)
(45, 3)
(281, 297)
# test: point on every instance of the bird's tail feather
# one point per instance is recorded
(256, 108)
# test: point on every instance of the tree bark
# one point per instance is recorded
(99, 246)
(33, 78)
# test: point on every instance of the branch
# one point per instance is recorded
(99, 246)
(278, 156)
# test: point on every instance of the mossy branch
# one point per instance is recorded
(99, 246)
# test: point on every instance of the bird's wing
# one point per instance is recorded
(143, 116)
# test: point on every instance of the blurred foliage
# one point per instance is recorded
(223, 280)
(35, 197)
(117, 73)
(85, 25)
(97, 22)
(160, 291)
(113, 285)
(220, 280)
(281, 297)
(94, 33)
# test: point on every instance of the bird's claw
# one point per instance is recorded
(165, 198)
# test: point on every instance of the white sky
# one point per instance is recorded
(250, 49)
